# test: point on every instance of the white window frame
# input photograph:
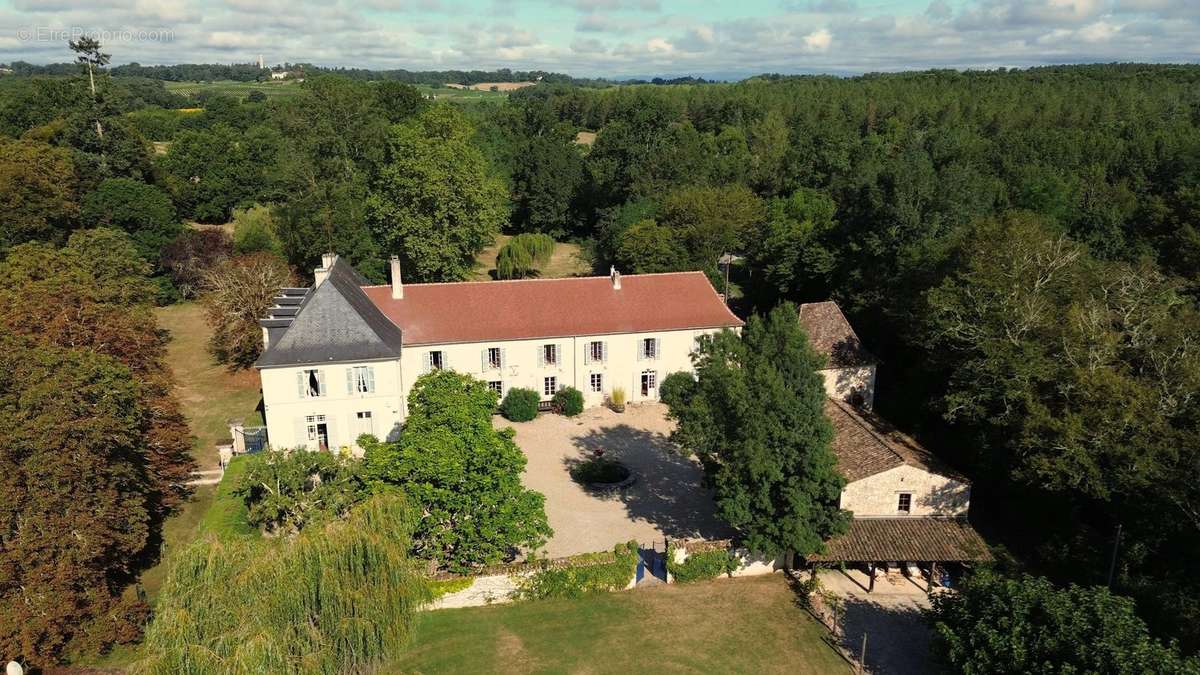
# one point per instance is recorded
(359, 423)
(549, 385)
(649, 349)
(431, 363)
(653, 381)
(360, 380)
(900, 499)
(496, 363)
(306, 376)
(496, 386)
(310, 423)
(596, 382)
(597, 352)
(546, 350)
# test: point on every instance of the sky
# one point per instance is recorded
(613, 38)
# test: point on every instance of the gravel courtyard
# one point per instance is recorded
(668, 498)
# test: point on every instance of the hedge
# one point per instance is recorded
(700, 565)
(585, 576)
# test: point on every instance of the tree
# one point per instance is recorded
(434, 203)
(144, 211)
(94, 294)
(463, 474)
(399, 101)
(712, 221)
(195, 252)
(1025, 624)
(254, 231)
(286, 491)
(789, 252)
(647, 247)
(37, 193)
(523, 254)
(237, 294)
(74, 511)
(754, 415)
(88, 49)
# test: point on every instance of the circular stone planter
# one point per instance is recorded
(613, 476)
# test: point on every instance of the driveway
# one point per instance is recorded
(668, 499)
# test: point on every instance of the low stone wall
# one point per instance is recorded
(499, 583)
(749, 564)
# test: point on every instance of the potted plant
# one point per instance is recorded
(616, 399)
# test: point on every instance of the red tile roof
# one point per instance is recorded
(489, 311)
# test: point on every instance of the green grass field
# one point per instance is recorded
(721, 626)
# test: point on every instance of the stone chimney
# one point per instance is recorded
(397, 282)
(616, 278)
(319, 274)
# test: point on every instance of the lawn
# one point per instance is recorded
(210, 395)
(567, 261)
(727, 625)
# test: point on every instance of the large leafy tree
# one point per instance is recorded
(464, 474)
(755, 416)
(75, 508)
(434, 202)
(38, 200)
(647, 247)
(144, 211)
(1025, 624)
(711, 221)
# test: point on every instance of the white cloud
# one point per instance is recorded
(1098, 32)
(818, 40)
(659, 45)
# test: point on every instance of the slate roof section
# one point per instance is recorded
(831, 334)
(491, 311)
(866, 444)
(906, 539)
(335, 323)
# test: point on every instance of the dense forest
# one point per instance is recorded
(1021, 248)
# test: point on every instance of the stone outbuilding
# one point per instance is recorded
(849, 368)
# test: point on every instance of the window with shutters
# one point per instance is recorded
(596, 380)
(496, 386)
(312, 383)
(437, 360)
(495, 360)
(649, 348)
(549, 386)
(596, 352)
(549, 355)
(362, 379)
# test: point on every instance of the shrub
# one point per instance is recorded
(568, 401)
(192, 255)
(700, 565)
(440, 587)
(334, 599)
(599, 470)
(285, 491)
(583, 575)
(520, 405)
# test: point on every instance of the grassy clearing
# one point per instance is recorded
(739, 625)
(567, 261)
(226, 516)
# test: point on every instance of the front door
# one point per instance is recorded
(323, 437)
(649, 384)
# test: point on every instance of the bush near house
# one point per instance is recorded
(700, 565)
(568, 401)
(285, 492)
(581, 578)
(520, 405)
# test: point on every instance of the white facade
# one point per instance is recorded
(635, 362)
(339, 411)
(928, 494)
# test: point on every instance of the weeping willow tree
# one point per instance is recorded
(331, 600)
(523, 254)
